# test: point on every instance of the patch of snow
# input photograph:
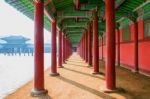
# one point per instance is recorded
(15, 71)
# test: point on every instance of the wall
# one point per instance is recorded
(127, 54)
(144, 57)
(127, 50)
(144, 50)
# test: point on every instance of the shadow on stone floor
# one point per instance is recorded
(83, 87)
(75, 61)
(70, 63)
(85, 73)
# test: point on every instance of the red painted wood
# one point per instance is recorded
(86, 40)
(39, 47)
(84, 43)
(100, 51)
(136, 46)
(127, 50)
(103, 51)
(110, 44)
(144, 56)
(141, 29)
(85, 47)
(89, 46)
(63, 48)
(82, 49)
(66, 49)
(95, 43)
(118, 47)
(127, 54)
(76, 4)
(144, 50)
(60, 48)
(132, 29)
(121, 34)
(66, 55)
(53, 48)
(102, 48)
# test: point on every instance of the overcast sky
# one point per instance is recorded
(12, 22)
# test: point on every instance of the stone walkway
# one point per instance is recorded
(77, 82)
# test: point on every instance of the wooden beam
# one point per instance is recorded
(47, 2)
(142, 5)
(117, 5)
(49, 15)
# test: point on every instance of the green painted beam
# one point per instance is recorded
(69, 20)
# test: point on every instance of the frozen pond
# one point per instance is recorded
(15, 71)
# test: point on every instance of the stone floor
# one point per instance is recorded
(77, 82)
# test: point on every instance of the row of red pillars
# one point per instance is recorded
(85, 45)
(84, 48)
(88, 47)
(63, 54)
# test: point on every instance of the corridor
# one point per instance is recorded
(76, 81)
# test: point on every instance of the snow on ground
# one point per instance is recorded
(15, 71)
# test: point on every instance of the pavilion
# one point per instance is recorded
(116, 31)
(15, 44)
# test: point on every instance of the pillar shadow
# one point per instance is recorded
(84, 73)
(83, 87)
(76, 65)
(45, 97)
(75, 61)
(83, 66)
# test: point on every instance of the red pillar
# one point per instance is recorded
(68, 49)
(65, 48)
(60, 49)
(80, 49)
(110, 44)
(39, 51)
(63, 55)
(118, 34)
(86, 46)
(54, 51)
(136, 46)
(102, 47)
(89, 46)
(95, 44)
(83, 47)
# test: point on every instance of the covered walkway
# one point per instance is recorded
(77, 82)
(116, 31)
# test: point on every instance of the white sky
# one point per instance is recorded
(12, 22)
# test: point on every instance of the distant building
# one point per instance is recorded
(13, 45)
